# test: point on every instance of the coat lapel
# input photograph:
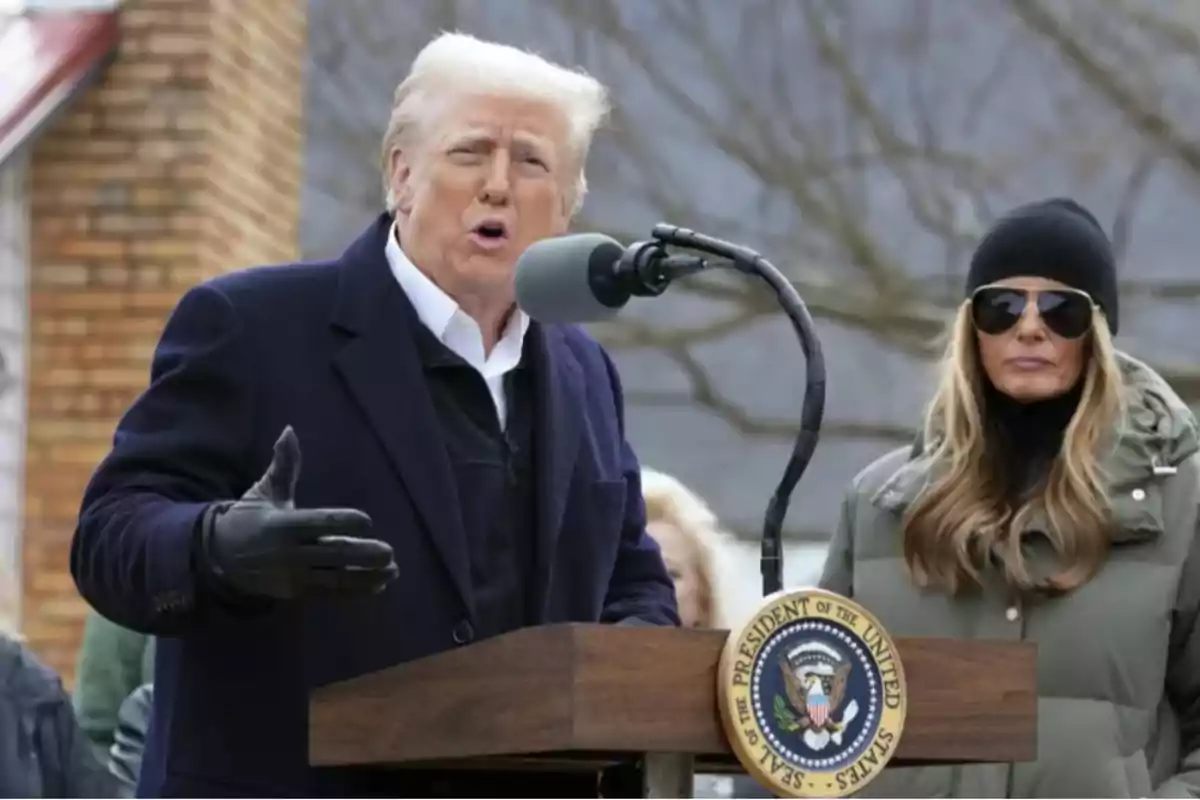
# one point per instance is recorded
(559, 401)
(381, 367)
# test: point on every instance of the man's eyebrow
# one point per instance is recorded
(530, 143)
(471, 138)
(536, 144)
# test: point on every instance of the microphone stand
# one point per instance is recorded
(656, 269)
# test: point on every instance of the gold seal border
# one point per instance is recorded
(784, 780)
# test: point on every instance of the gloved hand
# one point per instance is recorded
(263, 546)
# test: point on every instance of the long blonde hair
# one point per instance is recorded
(964, 514)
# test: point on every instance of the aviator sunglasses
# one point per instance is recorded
(1066, 312)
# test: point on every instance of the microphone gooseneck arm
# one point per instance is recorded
(812, 410)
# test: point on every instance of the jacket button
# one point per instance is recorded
(1012, 614)
(463, 633)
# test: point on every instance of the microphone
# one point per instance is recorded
(589, 277)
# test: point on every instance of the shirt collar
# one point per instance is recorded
(434, 307)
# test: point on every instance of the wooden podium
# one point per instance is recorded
(600, 697)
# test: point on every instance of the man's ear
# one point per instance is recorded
(401, 181)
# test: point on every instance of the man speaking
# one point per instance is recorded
(345, 465)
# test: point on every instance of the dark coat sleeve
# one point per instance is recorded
(640, 591)
(180, 446)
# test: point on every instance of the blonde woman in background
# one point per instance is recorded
(691, 541)
(694, 548)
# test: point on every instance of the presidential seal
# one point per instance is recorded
(812, 695)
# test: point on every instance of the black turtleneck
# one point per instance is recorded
(1028, 435)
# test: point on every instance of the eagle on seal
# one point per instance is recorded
(816, 695)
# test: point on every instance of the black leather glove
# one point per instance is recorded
(263, 546)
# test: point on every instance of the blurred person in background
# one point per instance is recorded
(446, 438)
(691, 541)
(694, 548)
(1051, 498)
(43, 752)
(113, 661)
(124, 758)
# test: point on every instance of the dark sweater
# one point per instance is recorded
(493, 470)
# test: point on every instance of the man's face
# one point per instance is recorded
(488, 177)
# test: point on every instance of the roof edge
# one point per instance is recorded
(85, 43)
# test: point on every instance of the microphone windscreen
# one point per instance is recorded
(556, 278)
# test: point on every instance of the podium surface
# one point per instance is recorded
(591, 695)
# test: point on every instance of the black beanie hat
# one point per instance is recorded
(1056, 239)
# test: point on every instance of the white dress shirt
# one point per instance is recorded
(453, 328)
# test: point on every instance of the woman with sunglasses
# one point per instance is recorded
(1052, 498)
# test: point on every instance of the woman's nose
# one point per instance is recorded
(1030, 325)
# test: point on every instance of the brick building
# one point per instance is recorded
(145, 145)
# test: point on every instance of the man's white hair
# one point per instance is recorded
(457, 65)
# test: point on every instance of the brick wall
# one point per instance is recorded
(182, 163)
(252, 206)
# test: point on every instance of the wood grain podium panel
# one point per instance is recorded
(592, 692)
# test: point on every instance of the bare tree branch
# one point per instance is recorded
(867, 167)
(1141, 110)
(1128, 203)
(751, 426)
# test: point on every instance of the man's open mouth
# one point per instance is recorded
(492, 231)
